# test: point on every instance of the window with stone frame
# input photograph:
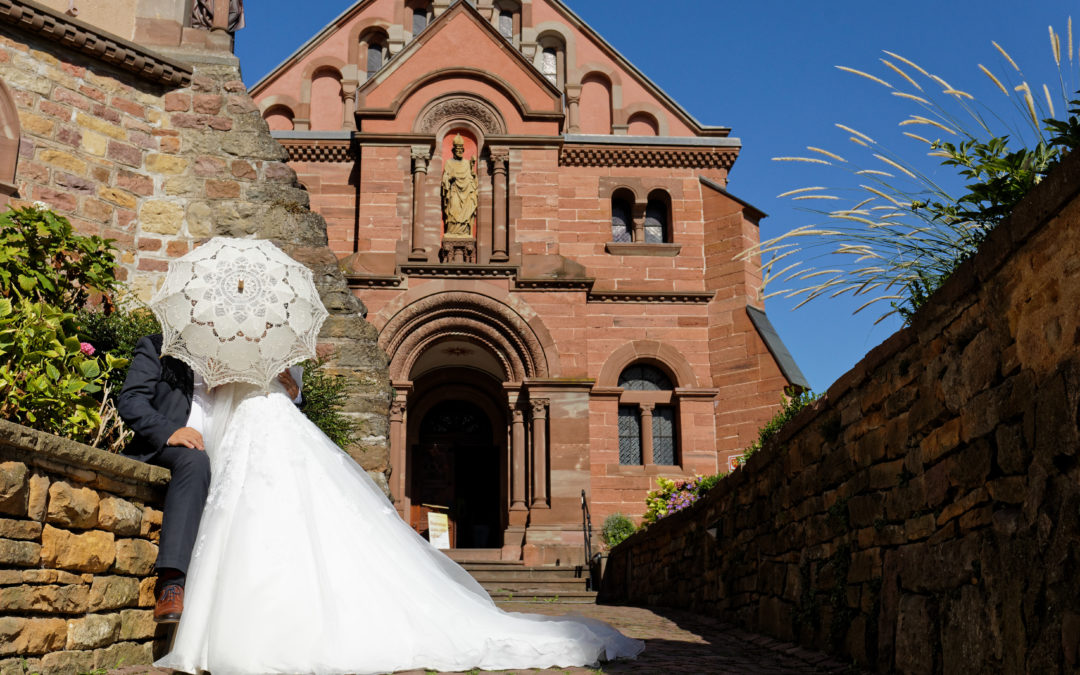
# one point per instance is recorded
(374, 45)
(647, 417)
(622, 216)
(420, 15)
(657, 229)
(507, 18)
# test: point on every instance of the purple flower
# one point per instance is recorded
(87, 348)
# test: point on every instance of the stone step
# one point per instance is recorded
(529, 574)
(532, 585)
(555, 597)
(488, 555)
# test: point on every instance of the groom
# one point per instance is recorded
(159, 403)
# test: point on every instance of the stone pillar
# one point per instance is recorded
(637, 222)
(419, 174)
(517, 461)
(646, 433)
(573, 118)
(397, 453)
(540, 447)
(500, 159)
(348, 95)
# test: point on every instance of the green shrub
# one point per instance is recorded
(43, 259)
(789, 407)
(116, 332)
(324, 395)
(47, 377)
(617, 528)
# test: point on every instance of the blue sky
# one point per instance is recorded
(767, 70)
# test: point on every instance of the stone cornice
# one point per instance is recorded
(322, 150)
(436, 270)
(369, 281)
(82, 37)
(648, 156)
(679, 297)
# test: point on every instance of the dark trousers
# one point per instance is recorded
(184, 501)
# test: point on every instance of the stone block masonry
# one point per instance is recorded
(924, 516)
(159, 165)
(78, 538)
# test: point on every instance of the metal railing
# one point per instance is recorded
(586, 531)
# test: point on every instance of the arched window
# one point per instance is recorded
(506, 23)
(374, 58)
(658, 218)
(647, 433)
(621, 218)
(419, 12)
(374, 48)
(549, 64)
(507, 18)
(551, 58)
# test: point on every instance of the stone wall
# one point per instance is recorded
(924, 516)
(163, 158)
(78, 539)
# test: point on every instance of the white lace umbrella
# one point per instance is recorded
(238, 310)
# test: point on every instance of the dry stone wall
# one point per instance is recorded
(924, 517)
(78, 538)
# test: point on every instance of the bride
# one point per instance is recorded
(302, 565)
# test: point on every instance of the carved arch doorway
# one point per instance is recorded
(457, 456)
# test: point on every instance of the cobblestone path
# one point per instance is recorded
(677, 642)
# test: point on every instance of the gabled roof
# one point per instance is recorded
(776, 347)
(570, 16)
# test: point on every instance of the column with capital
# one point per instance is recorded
(348, 96)
(500, 160)
(573, 99)
(646, 433)
(540, 448)
(420, 154)
(517, 460)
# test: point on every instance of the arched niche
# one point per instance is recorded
(595, 107)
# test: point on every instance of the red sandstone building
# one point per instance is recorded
(588, 329)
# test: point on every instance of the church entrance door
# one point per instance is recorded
(455, 470)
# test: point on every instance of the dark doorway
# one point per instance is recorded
(455, 468)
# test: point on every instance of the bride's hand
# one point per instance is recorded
(290, 384)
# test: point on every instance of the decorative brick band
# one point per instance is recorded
(712, 158)
(316, 151)
(686, 297)
(80, 36)
(366, 281)
(458, 271)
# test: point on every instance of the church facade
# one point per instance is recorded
(545, 244)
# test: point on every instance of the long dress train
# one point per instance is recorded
(303, 566)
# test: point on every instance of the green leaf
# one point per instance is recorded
(53, 372)
(90, 369)
(26, 283)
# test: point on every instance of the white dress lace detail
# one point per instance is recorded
(302, 566)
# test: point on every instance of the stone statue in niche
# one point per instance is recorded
(459, 192)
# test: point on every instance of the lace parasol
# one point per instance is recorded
(238, 310)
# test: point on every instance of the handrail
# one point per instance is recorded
(586, 531)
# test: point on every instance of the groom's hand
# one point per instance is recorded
(187, 437)
(291, 386)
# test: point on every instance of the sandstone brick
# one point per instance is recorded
(38, 497)
(152, 265)
(91, 123)
(176, 101)
(95, 209)
(178, 247)
(166, 164)
(209, 166)
(94, 143)
(93, 93)
(50, 577)
(125, 153)
(170, 144)
(184, 186)
(68, 136)
(72, 507)
(242, 169)
(56, 199)
(70, 599)
(124, 654)
(147, 591)
(120, 516)
(149, 244)
(135, 556)
(128, 106)
(92, 631)
(222, 189)
(137, 624)
(19, 529)
(92, 551)
(206, 103)
(67, 663)
(19, 553)
(63, 160)
(14, 488)
(161, 217)
(36, 124)
(21, 665)
(20, 635)
(113, 592)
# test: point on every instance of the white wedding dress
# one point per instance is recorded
(302, 566)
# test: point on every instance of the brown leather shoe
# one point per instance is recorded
(170, 604)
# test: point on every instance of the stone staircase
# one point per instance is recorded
(512, 581)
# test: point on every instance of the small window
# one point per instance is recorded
(549, 65)
(656, 222)
(644, 378)
(419, 20)
(506, 23)
(374, 58)
(629, 435)
(663, 435)
(620, 219)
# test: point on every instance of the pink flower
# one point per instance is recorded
(87, 348)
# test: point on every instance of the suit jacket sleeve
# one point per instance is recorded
(135, 402)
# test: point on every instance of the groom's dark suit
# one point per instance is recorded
(156, 401)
